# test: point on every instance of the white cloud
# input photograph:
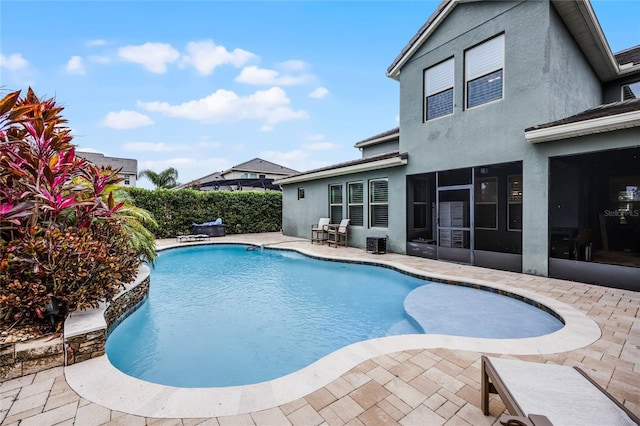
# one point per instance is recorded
(13, 62)
(150, 147)
(76, 66)
(293, 65)
(153, 56)
(92, 150)
(100, 59)
(267, 77)
(205, 56)
(319, 93)
(225, 106)
(292, 159)
(206, 144)
(321, 146)
(125, 119)
(94, 43)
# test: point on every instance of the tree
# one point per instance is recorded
(165, 179)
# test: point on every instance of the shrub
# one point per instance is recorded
(241, 211)
(60, 230)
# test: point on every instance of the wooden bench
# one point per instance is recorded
(564, 395)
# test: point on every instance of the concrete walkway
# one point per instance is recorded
(434, 386)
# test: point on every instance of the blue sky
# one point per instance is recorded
(204, 85)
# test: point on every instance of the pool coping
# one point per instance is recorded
(98, 381)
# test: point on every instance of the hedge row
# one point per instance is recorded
(241, 212)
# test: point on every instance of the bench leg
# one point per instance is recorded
(484, 389)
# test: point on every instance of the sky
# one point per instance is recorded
(204, 85)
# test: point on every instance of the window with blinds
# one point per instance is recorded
(356, 201)
(335, 203)
(379, 203)
(631, 91)
(484, 66)
(438, 88)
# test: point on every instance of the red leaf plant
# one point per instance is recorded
(58, 232)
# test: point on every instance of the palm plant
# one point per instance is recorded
(167, 178)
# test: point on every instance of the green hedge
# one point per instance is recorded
(241, 212)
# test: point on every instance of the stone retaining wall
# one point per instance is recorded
(85, 334)
(22, 358)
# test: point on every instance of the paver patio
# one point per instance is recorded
(417, 387)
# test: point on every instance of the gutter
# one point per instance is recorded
(400, 160)
(587, 127)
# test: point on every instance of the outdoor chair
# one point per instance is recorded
(319, 231)
(546, 394)
(337, 234)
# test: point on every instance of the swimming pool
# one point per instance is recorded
(220, 315)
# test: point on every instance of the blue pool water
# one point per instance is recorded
(220, 315)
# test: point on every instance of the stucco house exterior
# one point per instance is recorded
(128, 166)
(256, 175)
(518, 148)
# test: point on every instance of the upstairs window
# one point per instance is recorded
(484, 66)
(356, 200)
(438, 88)
(127, 180)
(335, 203)
(379, 203)
(631, 91)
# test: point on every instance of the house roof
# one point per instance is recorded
(127, 165)
(629, 56)
(604, 118)
(578, 16)
(259, 165)
(380, 138)
(389, 159)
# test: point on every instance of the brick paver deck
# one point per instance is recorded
(419, 387)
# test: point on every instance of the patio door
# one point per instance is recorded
(455, 223)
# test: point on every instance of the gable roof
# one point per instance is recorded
(375, 162)
(629, 56)
(578, 16)
(260, 165)
(387, 136)
(604, 118)
(127, 165)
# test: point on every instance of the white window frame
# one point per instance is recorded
(428, 92)
(373, 204)
(628, 84)
(352, 204)
(127, 180)
(300, 193)
(469, 78)
(332, 204)
(510, 202)
(478, 182)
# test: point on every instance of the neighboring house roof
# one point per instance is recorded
(578, 16)
(604, 118)
(629, 56)
(258, 165)
(387, 136)
(127, 165)
(375, 162)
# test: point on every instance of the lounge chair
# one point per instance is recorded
(534, 393)
(319, 231)
(337, 234)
